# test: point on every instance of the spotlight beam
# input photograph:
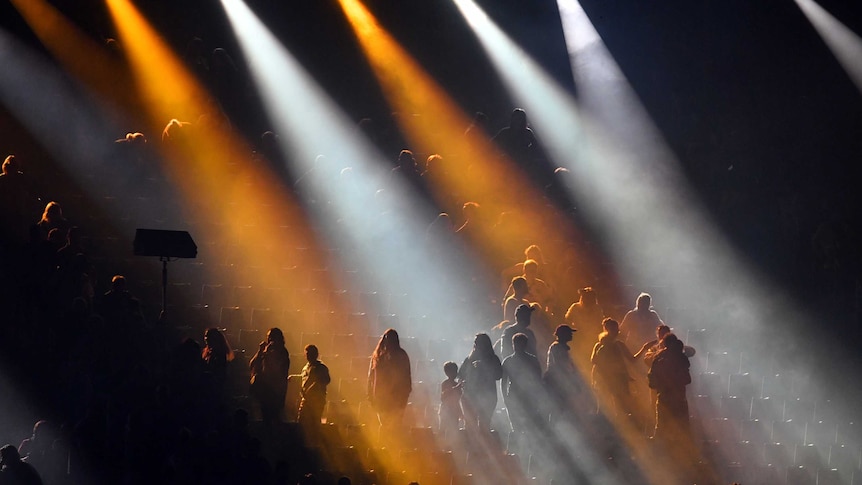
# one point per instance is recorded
(845, 45)
(410, 90)
(382, 226)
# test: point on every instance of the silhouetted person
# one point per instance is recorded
(17, 201)
(521, 385)
(517, 139)
(270, 369)
(52, 218)
(610, 368)
(406, 166)
(41, 451)
(539, 290)
(561, 378)
(523, 317)
(216, 354)
(118, 306)
(315, 378)
(389, 380)
(533, 252)
(478, 126)
(586, 314)
(450, 401)
(14, 471)
(669, 375)
(639, 323)
(73, 247)
(520, 290)
(473, 221)
(480, 372)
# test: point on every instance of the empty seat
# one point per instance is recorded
(246, 297)
(743, 386)
(274, 298)
(755, 431)
(440, 350)
(733, 407)
(778, 455)
(182, 294)
(820, 433)
(214, 295)
(722, 430)
(345, 345)
(777, 386)
(827, 476)
(810, 457)
(334, 322)
(722, 362)
(358, 323)
(232, 318)
(788, 432)
(710, 384)
(767, 409)
(845, 458)
(312, 299)
(800, 475)
(249, 339)
(264, 318)
(371, 303)
(798, 409)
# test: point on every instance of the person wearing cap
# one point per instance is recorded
(561, 377)
(523, 316)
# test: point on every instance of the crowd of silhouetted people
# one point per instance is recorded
(117, 397)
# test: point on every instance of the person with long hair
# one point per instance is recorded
(389, 380)
(52, 218)
(480, 372)
(216, 354)
(270, 369)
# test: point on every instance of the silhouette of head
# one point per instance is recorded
(10, 165)
(644, 301)
(523, 314)
(534, 252)
(519, 284)
(672, 343)
(611, 326)
(311, 353)
(450, 369)
(482, 344)
(8, 455)
(531, 268)
(391, 339)
(118, 283)
(518, 121)
(406, 160)
(275, 335)
(662, 331)
(52, 212)
(519, 342)
(564, 333)
(588, 295)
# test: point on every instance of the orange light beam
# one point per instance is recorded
(213, 165)
(411, 90)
